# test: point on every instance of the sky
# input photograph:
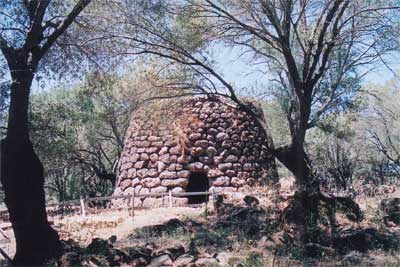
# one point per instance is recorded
(238, 71)
(242, 74)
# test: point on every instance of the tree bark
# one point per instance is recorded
(297, 161)
(23, 180)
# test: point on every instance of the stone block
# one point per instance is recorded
(152, 173)
(211, 151)
(150, 150)
(231, 159)
(224, 166)
(179, 182)
(153, 157)
(170, 143)
(131, 173)
(235, 181)
(248, 167)
(221, 137)
(175, 150)
(230, 173)
(196, 151)
(183, 174)
(196, 167)
(134, 157)
(201, 143)
(212, 131)
(139, 165)
(164, 158)
(151, 182)
(213, 173)
(168, 175)
(158, 190)
(135, 182)
(220, 181)
(194, 136)
(163, 151)
(144, 157)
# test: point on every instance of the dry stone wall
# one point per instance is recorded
(168, 141)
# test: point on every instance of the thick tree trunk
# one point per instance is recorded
(23, 180)
(296, 160)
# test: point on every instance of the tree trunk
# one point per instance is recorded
(23, 180)
(296, 160)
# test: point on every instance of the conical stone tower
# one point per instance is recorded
(192, 144)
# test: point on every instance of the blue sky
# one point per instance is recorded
(241, 74)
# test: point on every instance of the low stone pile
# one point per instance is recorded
(102, 253)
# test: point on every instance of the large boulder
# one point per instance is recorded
(391, 209)
(365, 239)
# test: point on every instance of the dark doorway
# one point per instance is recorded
(198, 182)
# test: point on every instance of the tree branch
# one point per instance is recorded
(63, 26)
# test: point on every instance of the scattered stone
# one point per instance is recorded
(162, 260)
(184, 260)
(207, 262)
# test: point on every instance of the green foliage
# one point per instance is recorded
(360, 145)
(277, 122)
(78, 134)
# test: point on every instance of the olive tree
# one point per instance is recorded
(28, 31)
(315, 52)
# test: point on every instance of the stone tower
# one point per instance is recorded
(192, 144)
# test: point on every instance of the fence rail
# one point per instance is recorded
(83, 201)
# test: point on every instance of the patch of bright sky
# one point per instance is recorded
(240, 72)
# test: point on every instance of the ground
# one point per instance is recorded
(239, 235)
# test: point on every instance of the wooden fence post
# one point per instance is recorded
(83, 207)
(170, 198)
(133, 204)
(214, 199)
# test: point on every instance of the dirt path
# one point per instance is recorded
(118, 223)
(107, 224)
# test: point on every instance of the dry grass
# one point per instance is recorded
(231, 249)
